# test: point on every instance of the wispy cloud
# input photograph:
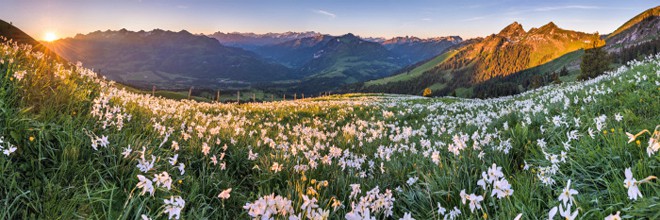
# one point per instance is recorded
(182, 6)
(326, 13)
(566, 7)
(473, 19)
(426, 19)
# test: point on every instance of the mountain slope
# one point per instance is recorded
(412, 49)
(510, 51)
(168, 59)
(347, 59)
(294, 53)
(639, 29)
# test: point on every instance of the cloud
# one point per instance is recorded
(426, 19)
(473, 19)
(326, 13)
(566, 7)
(182, 6)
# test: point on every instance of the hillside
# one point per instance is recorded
(294, 53)
(11, 32)
(412, 49)
(346, 59)
(641, 28)
(168, 60)
(510, 51)
(77, 146)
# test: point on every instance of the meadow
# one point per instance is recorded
(78, 146)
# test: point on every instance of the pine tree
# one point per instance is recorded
(594, 63)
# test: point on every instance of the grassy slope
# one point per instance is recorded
(56, 173)
(418, 71)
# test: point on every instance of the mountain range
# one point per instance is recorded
(314, 62)
(512, 56)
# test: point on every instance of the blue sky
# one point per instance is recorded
(384, 18)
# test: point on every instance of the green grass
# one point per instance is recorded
(56, 173)
(416, 72)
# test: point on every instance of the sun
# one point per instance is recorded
(50, 37)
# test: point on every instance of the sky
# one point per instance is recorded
(366, 18)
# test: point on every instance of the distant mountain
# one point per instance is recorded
(168, 59)
(412, 49)
(641, 28)
(347, 59)
(510, 51)
(294, 53)
(251, 41)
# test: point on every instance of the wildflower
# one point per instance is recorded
(173, 207)
(475, 202)
(145, 217)
(407, 216)
(453, 214)
(127, 151)
(224, 194)
(631, 137)
(618, 117)
(182, 168)
(144, 165)
(614, 216)
(412, 180)
(518, 217)
(276, 167)
(567, 194)
(502, 189)
(567, 213)
(441, 210)
(214, 160)
(19, 74)
(252, 156)
(163, 179)
(494, 173)
(552, 213)
(205, 148)
(175, 145)
(355, 190)
(631, 184)
(31, 138)
(146, 185)
(174, 159)
(526, 167)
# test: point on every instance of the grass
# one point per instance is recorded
(54, 115)
(416, 72)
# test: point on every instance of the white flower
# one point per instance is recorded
(441, 210)
(252, 156)
(567, 213)
(518, 217)
(127, 151)
(205, 148)
(276, 167)
(614, 216)
(19, 74)
(631, 184)
(494, 173)
(407, 216)
(173, 207)
(10, 149)
(475, 202)
(502, 189)
(146, 185)
(454, 213)
(174, 159)
(618, 117)
(145, 165)
(567, 194)
(412, 180)
(182, 168)
(163, 179)
(224, 194)
(526, 167)
(552, 213)
(355, 190)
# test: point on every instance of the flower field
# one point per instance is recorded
(77, 146)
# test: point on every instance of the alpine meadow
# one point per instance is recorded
(544, 123)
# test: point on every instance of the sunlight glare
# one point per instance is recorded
(50, 37)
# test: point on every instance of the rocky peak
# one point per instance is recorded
(512, 31)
